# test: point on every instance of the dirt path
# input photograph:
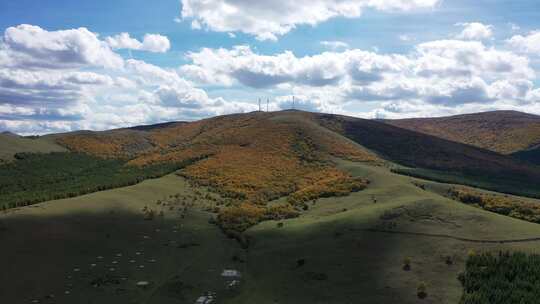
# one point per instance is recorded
(446, 236)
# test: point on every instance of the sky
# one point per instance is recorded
(72, 65)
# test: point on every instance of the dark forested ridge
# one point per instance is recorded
(439, 159)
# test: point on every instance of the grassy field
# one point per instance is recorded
(12, 144)
(340, 250)
(53, 246)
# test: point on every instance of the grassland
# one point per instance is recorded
(11, 144)
(55, 244)
(339, 250)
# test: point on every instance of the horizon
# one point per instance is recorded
(251, 112)
(99, 66)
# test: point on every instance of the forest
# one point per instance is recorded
(501, 278)
(34, 178)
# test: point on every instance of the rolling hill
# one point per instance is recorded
(313, 200)
(240, 151)
(258, 157)
(505, 132)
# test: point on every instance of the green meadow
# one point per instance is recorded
(352, 249)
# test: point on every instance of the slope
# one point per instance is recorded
(504, 132)
(531, 155)
(11, 144)
(437, 158)
(340, 250)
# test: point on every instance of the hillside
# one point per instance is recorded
(439, 159)
(313, 201)
(244, 155)
(10, 144)
(505, 132)
(96, 248)
(531, 155)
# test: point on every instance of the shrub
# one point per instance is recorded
(501, 204)
(149, 215)
(421, 290)
(407, 264)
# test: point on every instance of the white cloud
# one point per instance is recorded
(267, 20)
(29, 45)
(151, 42)
(56, 81)
(53, 81)
(443, 73)
(526, 44)
(475, 31)
(335, 45)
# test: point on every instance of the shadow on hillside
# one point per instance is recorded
(99, 257)
(331, 263)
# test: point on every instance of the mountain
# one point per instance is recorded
(244, 153)
(505, 132)
(9, 134)
(257, 155)
(313, 200)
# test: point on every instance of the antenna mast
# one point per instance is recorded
(267, 102)
(259, 104)
(293, 100)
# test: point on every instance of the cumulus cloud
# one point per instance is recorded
(52, 81)
(267, 20)
(527, 44)
(444, 73)
(151, 42)
(31, 46)
(55, 81)
(475, 31)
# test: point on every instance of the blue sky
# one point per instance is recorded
(344, 58)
